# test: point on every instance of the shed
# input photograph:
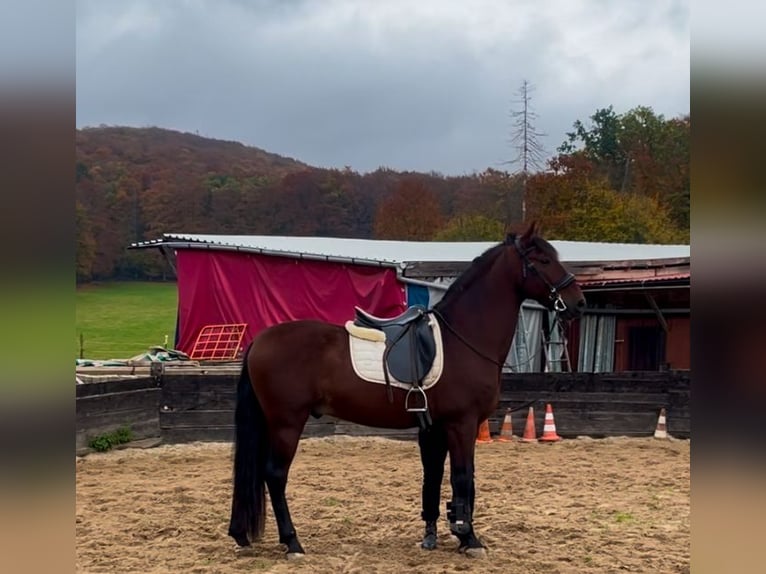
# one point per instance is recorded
(638, 295)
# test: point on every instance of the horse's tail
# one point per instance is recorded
(248, 505)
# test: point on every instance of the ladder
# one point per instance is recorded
(518, 359)
(556, 351)
(522, 354)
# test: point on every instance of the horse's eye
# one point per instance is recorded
(545, 260)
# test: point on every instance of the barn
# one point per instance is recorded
(637, 319)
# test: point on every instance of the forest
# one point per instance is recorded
(616, 178)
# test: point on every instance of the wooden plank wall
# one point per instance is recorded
(200, 406)
(103, 407)
(197, 407)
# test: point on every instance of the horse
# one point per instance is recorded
(302, 368)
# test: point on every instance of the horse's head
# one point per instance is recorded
(544, 277)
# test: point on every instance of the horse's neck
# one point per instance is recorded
(486, 314)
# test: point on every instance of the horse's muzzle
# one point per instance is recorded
(576, 311)
(571, 312)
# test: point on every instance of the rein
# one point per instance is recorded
(465, 341)
(500, 364)
(477, 351)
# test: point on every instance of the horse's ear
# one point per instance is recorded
(530, 232)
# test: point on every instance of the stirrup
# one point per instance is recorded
(410, 409)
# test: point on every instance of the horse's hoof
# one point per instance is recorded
(244, 550)
(241, 540)
(476, 552)
(429, 542)
(295, 555)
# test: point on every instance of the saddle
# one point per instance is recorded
(410, 349)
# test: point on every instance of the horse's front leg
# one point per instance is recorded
(433, 453)
(461, 442)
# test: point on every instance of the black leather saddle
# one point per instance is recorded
(410, 345)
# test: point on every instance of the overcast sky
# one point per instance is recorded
(422, 85)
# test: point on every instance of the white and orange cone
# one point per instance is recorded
(530, 434)
(662, 429)
(506, 431)
(549, 426)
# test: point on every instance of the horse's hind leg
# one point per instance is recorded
(283, 444)
(433, 453)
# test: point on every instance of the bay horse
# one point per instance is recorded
(302, 368)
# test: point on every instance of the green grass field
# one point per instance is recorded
(119, 320)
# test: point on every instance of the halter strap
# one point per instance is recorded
(565, 281)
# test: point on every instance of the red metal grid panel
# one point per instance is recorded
(218, 342)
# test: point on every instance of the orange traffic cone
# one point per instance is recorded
(662, 430)
(549, 426)
(530, 434)
(484, 433)
(506, 431)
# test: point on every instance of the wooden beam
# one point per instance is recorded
(657, 310)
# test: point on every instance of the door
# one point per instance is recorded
(646, 348)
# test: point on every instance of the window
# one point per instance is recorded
(597, 338)
(524, 355)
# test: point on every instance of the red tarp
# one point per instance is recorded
(227, 287)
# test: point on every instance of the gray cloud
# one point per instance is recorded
(424, 86)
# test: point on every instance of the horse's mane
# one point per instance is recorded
(477, 268)
(481, 263)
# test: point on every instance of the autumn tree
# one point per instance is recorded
(86, 244)
(412, 212)
(554, 194)
(471, 228)
(606, 215)
(600, 144)
(574, 202)
(313, 202)
(504, 191)
(639, 152)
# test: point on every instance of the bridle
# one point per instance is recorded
(554, 288)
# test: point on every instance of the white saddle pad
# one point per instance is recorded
(367, 356)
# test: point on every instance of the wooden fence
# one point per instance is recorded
(599, 404)
(105, 406)
(199, 406)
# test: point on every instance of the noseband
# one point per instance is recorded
(554, 295)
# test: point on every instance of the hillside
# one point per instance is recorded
(152, 147)
(136, 183)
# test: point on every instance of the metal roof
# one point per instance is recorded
(635, 278)
(400, 253)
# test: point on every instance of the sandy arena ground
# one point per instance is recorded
(609, 505)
